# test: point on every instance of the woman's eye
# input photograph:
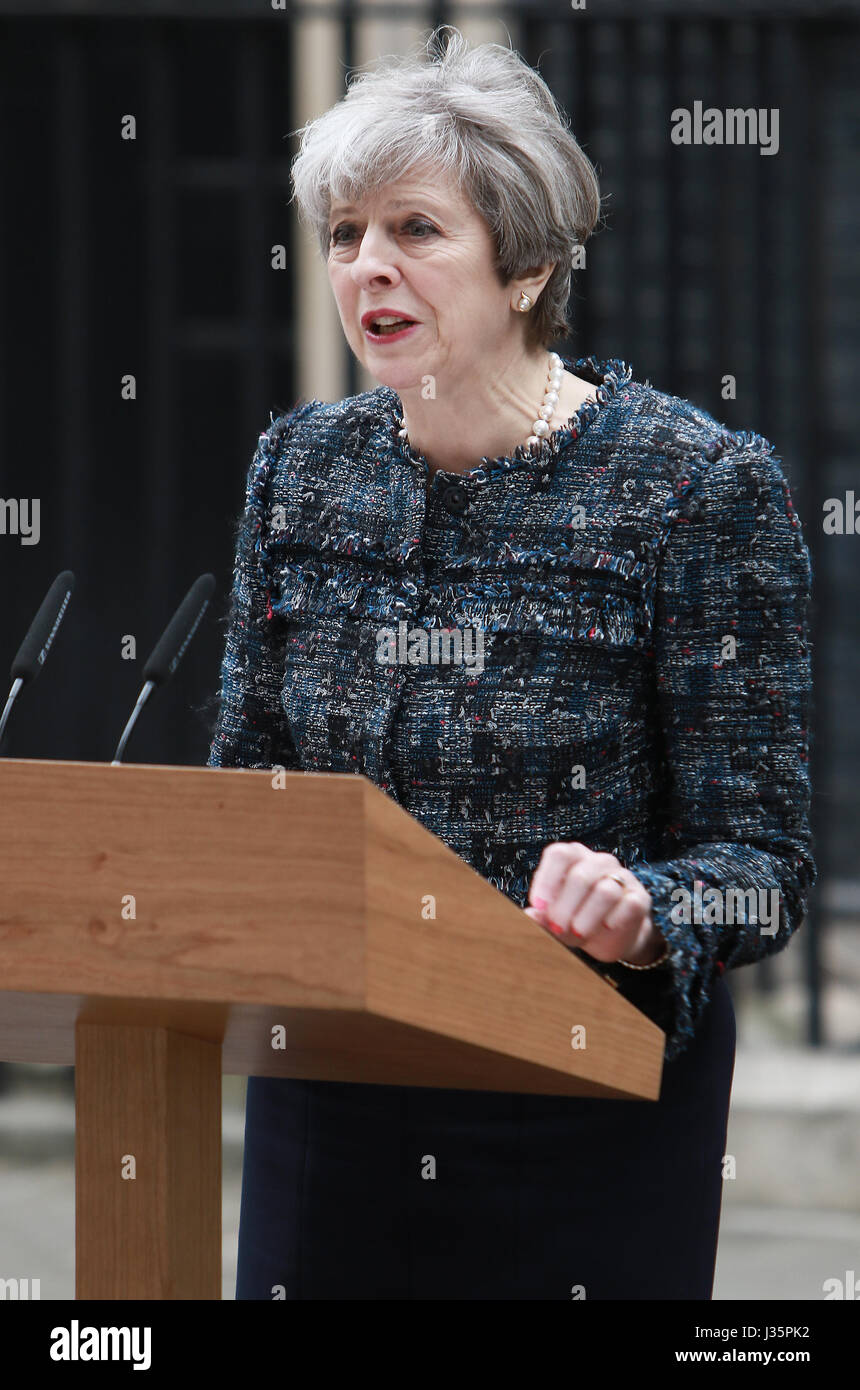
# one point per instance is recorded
(337, 239)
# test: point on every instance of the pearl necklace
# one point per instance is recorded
(541, 426)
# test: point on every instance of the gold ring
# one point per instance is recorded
(616, 879)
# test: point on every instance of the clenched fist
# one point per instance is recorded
(571, 896)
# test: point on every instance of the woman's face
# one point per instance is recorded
(419, 249)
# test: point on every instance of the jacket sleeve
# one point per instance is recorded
(734, 695)
(250, 729)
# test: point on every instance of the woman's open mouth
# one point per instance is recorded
(388, 329)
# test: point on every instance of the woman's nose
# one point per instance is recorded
(374, 257)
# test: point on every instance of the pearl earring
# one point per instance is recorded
(524, 303)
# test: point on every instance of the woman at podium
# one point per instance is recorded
(621, 750)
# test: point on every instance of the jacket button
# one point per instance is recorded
(455, 498)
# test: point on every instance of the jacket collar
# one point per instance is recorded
(609, 375)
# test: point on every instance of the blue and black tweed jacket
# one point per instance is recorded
(607, 571)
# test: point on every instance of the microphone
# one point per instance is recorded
(170, 649)
(36, 645)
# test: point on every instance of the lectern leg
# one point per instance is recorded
(147, 1163)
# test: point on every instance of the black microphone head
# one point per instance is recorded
(170, 648)
(34, 649)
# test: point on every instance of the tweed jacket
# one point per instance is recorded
(640, 584)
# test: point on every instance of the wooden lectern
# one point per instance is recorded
(159, 925)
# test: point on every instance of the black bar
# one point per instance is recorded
(253, 10)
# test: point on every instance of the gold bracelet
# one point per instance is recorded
(652, 966)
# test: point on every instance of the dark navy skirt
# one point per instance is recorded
(392, 1192)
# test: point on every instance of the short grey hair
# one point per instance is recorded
(487, 120)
